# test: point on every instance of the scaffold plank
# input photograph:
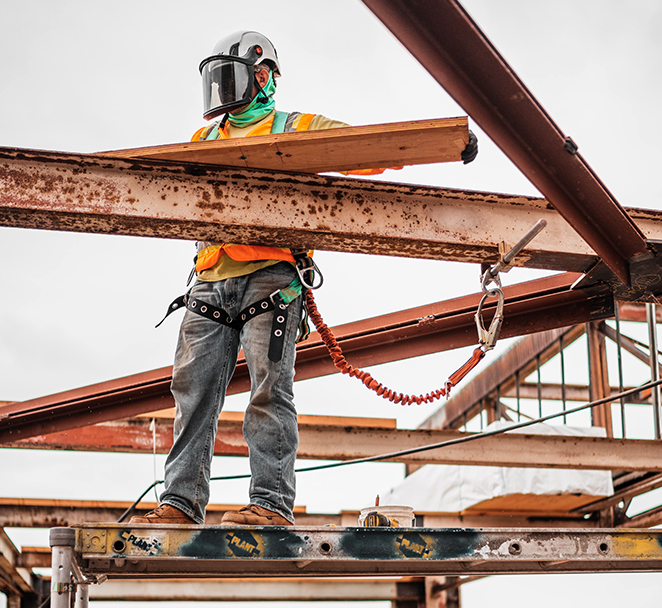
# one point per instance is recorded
(148, 551)
(343, 149)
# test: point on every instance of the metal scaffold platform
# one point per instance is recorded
(93, 553)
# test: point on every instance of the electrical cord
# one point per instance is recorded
(425, 448)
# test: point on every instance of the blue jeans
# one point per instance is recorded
(205, 360)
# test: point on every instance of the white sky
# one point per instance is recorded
(87, 76)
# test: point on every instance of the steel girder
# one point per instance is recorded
(83, 193)
(148, 551)
(343, 441)
(450, 45)
(531, 307)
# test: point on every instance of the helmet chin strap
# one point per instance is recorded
(262, 96)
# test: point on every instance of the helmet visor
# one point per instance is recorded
(227, 84)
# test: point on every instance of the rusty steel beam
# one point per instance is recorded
(35, 557)
(343, 442)
(16, 580)
(622, 494)
(531, 307)
(84, 193)
(598, 377)
(49, 513)
(627, 343)
(636, 311)
(441, 35)
(647, 519)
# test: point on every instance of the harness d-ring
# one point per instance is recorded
(307, 267)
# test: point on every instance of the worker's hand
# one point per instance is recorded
(471, 151)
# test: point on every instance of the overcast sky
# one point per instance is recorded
(86, 76)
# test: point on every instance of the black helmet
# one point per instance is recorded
(228, 75)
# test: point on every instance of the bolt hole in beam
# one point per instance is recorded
(325, 547)
(119, 546)
(515, 548)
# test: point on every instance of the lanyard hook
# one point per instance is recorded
(488, 337)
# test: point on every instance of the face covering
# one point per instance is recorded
(256, 110)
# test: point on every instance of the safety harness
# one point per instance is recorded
(279, 301)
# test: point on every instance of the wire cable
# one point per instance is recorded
(432, 446)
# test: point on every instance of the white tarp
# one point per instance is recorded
(454, 488)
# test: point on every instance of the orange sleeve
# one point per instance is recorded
(198, 134)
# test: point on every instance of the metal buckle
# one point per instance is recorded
(273, 295)
(312, 268)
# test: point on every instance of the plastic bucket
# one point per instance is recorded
(400, 516)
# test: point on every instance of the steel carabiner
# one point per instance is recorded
(488, 337)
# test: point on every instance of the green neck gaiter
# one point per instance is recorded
(256, 110)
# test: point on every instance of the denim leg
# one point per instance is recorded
(205, 359)
(270, 424)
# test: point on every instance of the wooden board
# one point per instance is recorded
(344, 149)
(532, 504)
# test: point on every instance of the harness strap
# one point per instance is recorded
(280, 120)
(278, 301)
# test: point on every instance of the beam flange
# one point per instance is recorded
(342, 442)
(83, 193)
(45, 513)
(143, 551)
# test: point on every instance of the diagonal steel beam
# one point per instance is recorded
(531, 307)
(501, 373)
(451, 46)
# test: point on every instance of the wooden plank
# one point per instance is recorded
(302, 419)
(344, 149)
(529, 504)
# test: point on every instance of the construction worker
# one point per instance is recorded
(234, 280)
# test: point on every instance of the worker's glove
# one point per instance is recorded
(471, 151)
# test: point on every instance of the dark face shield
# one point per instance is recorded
(227, 82)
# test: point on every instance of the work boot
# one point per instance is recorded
(164, 514)
(252, 515)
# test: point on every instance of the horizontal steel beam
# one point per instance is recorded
(48, 513)
(342, 442)
(531, 307)
(16, 579)
(451, 46)
(82, 193)
(573, 392)
(44, 513)
(144, 551)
